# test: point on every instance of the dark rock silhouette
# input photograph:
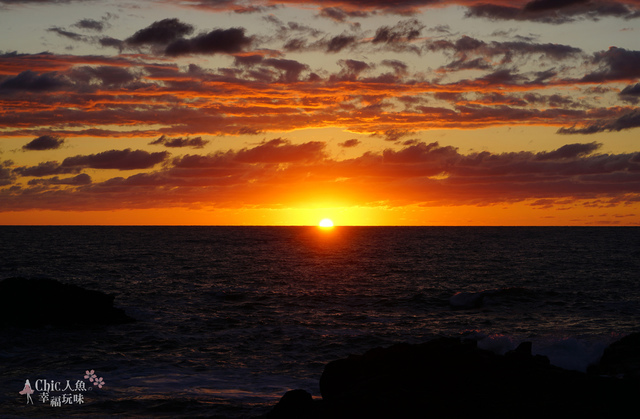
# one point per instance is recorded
(621, 358)
(295, 404)
(449, 377)
(37, 302)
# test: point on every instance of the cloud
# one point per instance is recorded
(67, 34)
(81, 179)
(350, 143)
(30, 81)
(45, 142)
(291, 68)
(278, 172)
(616, 64)
(631, 93)
(227, 41)
(336, 7)
(280, 150)
(340, 42)
(117, 159)
(475, 53)
(394, 134)
(626, 121)
(90, 24)
(48, 168)
(178, 142)
(553, 11)
(6, 174)
(107, 41)
(161, 32)
(104, 76)
(569, 151)
(403, 31)
(339, 14)
(351, 69)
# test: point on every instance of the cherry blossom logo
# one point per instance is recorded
(92, 377)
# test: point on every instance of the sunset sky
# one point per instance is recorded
(417, 112)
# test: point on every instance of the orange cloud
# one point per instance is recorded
(277, 173)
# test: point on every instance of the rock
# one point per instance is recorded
(37, 302)
(621, 358)
(295, 404)
(450, 378)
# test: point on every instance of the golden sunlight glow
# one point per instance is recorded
(326, 223)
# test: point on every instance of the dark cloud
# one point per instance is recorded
(553, 11)
(280, 150)
(349, 7)
(398, 66)
(67, 34)
(90, 24)
(466, 45)
(627, 121)
(285, 31)
(30, 81)
(468, 64)
(6, 174)
(271, 152)
(247, 131)
(502, 76)
(107, 41)
(117, 159)
(631, 93)
(291, 68)
(231, 6)
(340, 42)
(79, 180)
(394, 134)
(295, 44)
(45, 142)
(418, 173)
(569, 151)
(339, 14)
(350, 143)
(422, 153)
(493, 12)
(226, 41)
(403, 31)
(351, 69)
(196, 161)
(178, 142)
(106, 76)
(543, 5)
(48, 168)
(161, 32)
(473, 54)
(616, 64)
(248, 60)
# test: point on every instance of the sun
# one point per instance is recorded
(325, 222)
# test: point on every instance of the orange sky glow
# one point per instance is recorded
(281, 113)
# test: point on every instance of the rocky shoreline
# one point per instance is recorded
(39, 302)
(452, 377)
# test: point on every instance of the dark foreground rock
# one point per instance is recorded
(296, 404)
(36, 302)
(449, 377)
(621, 358)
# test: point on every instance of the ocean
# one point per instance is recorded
(230, 318)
